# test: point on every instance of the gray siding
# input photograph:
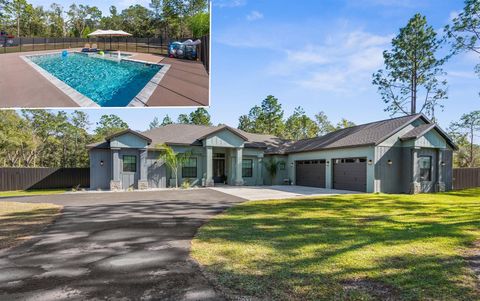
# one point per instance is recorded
(390, 178)
(100, 176)
(448, 169)
(156, 171)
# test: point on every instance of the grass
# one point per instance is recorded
(18, 221)
(15, 193)
(348, 247)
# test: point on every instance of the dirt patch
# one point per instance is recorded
(368, 288)
(20, 221)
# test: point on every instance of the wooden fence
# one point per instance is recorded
(43, 178)
(466, 178)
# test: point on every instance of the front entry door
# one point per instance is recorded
(219, 171)
(129, 169)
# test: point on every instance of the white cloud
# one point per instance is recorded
(453, 15)
(337, 63)
(127, 3)
(254, 15)
(229, 3)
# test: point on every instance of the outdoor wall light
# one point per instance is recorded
(442, 163)
(370, 162)
(328, 162)
(101, 162)
(389, 162)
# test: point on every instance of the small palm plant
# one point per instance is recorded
(172, 159)
(271, 166)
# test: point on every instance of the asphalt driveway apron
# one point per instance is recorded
(114, 246)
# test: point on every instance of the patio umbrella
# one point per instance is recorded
(109, 33)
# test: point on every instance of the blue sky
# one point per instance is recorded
(318, 54)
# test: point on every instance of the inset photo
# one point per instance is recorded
(77, 55)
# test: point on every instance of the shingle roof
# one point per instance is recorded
(365, 134)
(189, 134)
(418, 131)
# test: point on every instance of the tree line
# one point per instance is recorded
(163, 18)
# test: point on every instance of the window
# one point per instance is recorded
(425, 164)
(281, 165)
(189, 168)
(247, 168)
(129, 163)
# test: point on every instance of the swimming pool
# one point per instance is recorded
(107, 82)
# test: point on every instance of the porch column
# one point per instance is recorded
(143, 181)
(414, 184)
(238, 169)
(115, 182)
(259, 180)
(209, 177)
(440, 184)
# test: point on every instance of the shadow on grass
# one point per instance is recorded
(313, 246)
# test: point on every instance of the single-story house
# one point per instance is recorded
(408, 154)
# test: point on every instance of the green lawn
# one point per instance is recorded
(350, 247)
(31, 192)
(18, 221)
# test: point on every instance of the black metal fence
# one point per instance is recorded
(204, 52)
(43, 178)
(466, 178)
(144, 45)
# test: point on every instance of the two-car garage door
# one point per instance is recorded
(348, 173)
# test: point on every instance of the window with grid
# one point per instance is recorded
(247, 168)
(189, 168)
(425, 164)
(129, 163)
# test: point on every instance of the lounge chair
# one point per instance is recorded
(94, 48)
(86, 48)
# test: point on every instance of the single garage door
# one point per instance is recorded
(310, 173)
(350, 174)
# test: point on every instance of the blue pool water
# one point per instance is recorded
(109, 83)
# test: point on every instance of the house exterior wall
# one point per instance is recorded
(282, 172)
(328, 155)
(224, 139)
(100, 175)
(128, 140)
(156, 170)
(390, 178)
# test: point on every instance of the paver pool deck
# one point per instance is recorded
(114, 246)
(186, 83)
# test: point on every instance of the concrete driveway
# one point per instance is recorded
(278, 192)
(114, 246)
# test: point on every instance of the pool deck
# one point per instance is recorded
(186, 83)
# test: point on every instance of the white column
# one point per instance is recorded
(238, 176)
(143, 181)
(415, 183)
(209, 177)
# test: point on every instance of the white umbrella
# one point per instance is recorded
(109, 33)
